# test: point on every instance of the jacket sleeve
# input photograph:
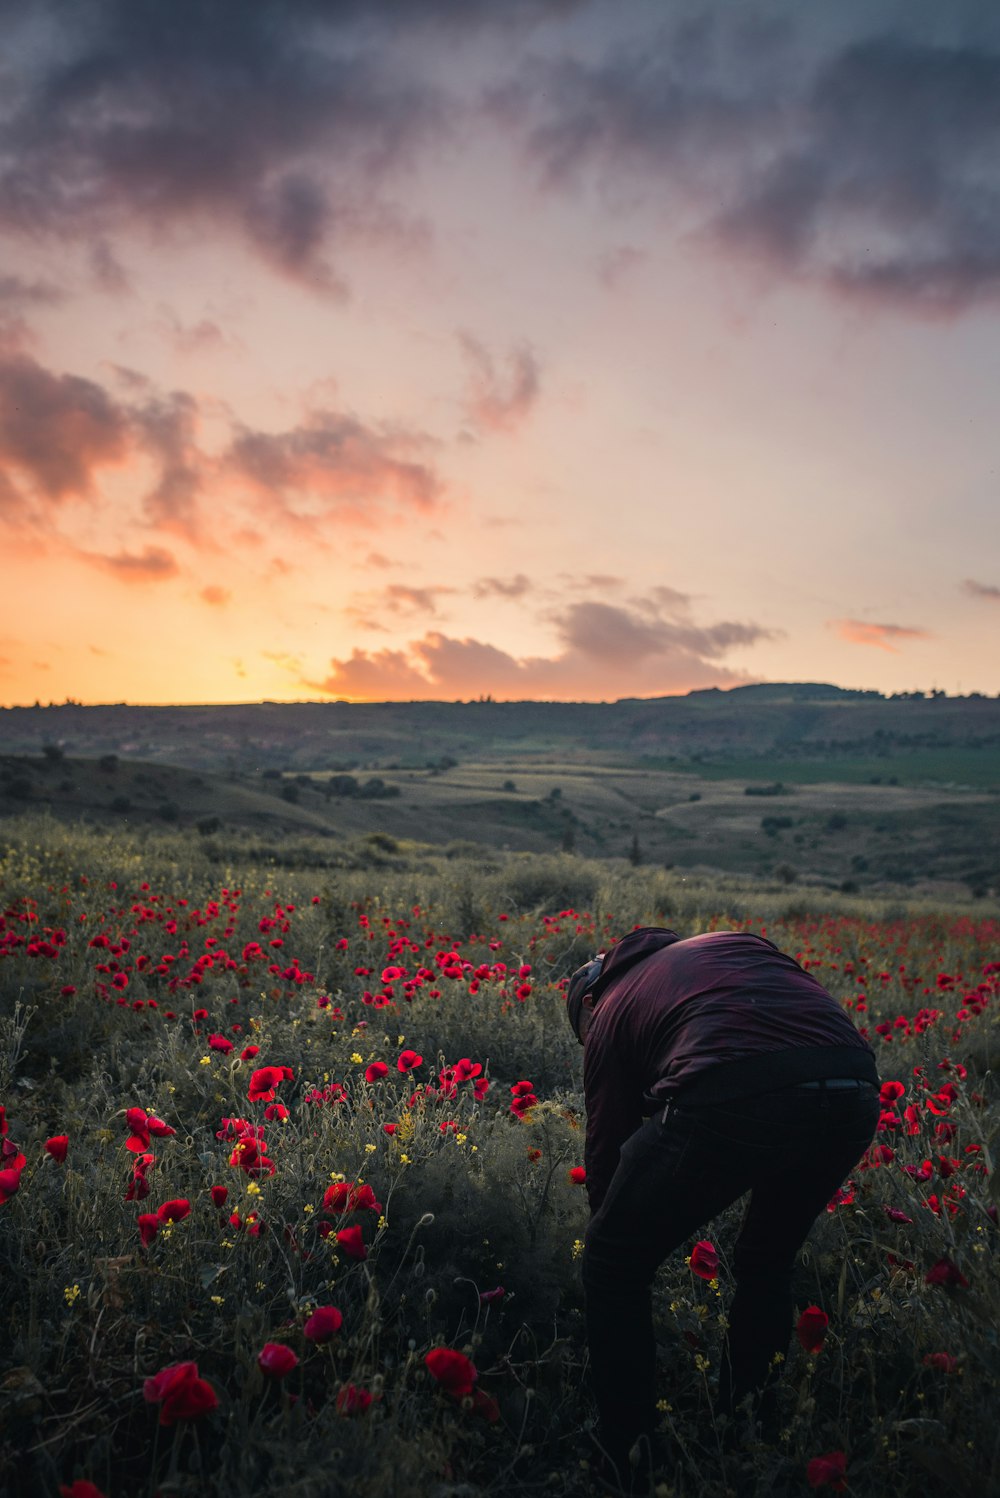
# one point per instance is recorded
(614, 1112)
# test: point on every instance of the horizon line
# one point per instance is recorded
(488, 700)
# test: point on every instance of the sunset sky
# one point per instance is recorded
(564, 349)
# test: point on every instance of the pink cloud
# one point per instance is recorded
(861, 632)
(56, 430)
(517, 586)
(332, 462)
(153, 565)
(500, 397)
(606, 653)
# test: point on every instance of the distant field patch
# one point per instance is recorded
(978, 769)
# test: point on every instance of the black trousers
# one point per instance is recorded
(791, 1150)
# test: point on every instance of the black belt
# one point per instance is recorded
(836, 1083)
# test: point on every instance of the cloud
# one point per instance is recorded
(883, 636)
(863, 154)
(982, 590)
(891, 188)
(871, 166)
(215, 595)
(203, 336)
(605, 632)
(55, 430)
(670, 601)
(517, 586)
(606, 653)
(500, 399)
(59, 431)
(395, 599)
(280, 122)
(332, 462)
(109, 274)
(18, 292)
(167, 430)
(153, 565)
(592, 582)
(403, 599)
(619, 265)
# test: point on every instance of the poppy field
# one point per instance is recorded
(292, 1187)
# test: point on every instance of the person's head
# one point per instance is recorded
(580, 997)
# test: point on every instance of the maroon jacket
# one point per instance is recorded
(713, 1017)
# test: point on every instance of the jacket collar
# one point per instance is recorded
(632, 948)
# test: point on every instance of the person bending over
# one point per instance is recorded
(713, 1065)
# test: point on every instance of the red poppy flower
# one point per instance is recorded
(11, 1157)
(249, 1052)
(408, 1060)
(142, 1126)
(828, 1471)
(487, 1297)
(276, 1360)
(895, 1215)
(337, 1198)
(376, 1070)
(842, 1197)
(174, 1211)
(323, 1324)
(149, 1226)
(941, 1360)
(704, 1260)
(524, 1099)
(352, 1243)
(156, 1388)
(138, 1186)
(811, 1328)
(180, 1393)
(363, 1200)
(890, 1092)
(57, 1147)
(264, 1081)
(220, 1043)
(946, 1272)
(10, 1181)
(352, 1400)
(219, 1195)
(80, 1489)
(249, 1158)
(452, 1370)
(577, 1175)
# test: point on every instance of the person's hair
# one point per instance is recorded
(580, 985)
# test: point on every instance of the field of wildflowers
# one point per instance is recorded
(290, 1189)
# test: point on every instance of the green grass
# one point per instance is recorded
(977, 769)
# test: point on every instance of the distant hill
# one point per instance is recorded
(799, 722)
(799, 781)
